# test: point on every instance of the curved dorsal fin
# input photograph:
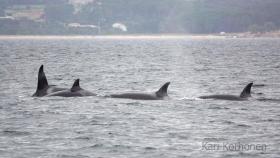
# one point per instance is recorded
(162, 92)
(76, 86)
(246, 91)
(42, 79)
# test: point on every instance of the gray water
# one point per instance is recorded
(180, 126)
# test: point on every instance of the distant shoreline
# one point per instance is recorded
(128, 36)
(149, 36)
(272, 34)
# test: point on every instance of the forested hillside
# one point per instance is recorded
(139, 16)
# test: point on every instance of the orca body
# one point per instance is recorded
(245, 94)
(75, 91)
(43, 88)
(158, 95)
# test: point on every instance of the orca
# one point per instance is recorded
(75, 91)
(158, 95)
(244, 95)
(43, 88)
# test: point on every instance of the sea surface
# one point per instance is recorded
(180, 126)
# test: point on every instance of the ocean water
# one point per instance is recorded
(180, 126)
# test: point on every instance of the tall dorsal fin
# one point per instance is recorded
(246, 91)
(76, 86)
(42, 79)
(162, 92)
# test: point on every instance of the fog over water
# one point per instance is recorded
(105, 127)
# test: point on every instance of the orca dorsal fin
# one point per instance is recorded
(162, 92)
(42, 79)
(246, 91)
(76, 86)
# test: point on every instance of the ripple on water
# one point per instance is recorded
(150, 148)
(179, 135)
(11, 132)
(269, 100)
(218, 108)
(83, 138)
(71, 156)
(270, 120)
(243, 125)
(214, 139)
(228, 122)
(259, 85)
(98, 145)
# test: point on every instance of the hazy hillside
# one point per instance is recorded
(137, 16)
